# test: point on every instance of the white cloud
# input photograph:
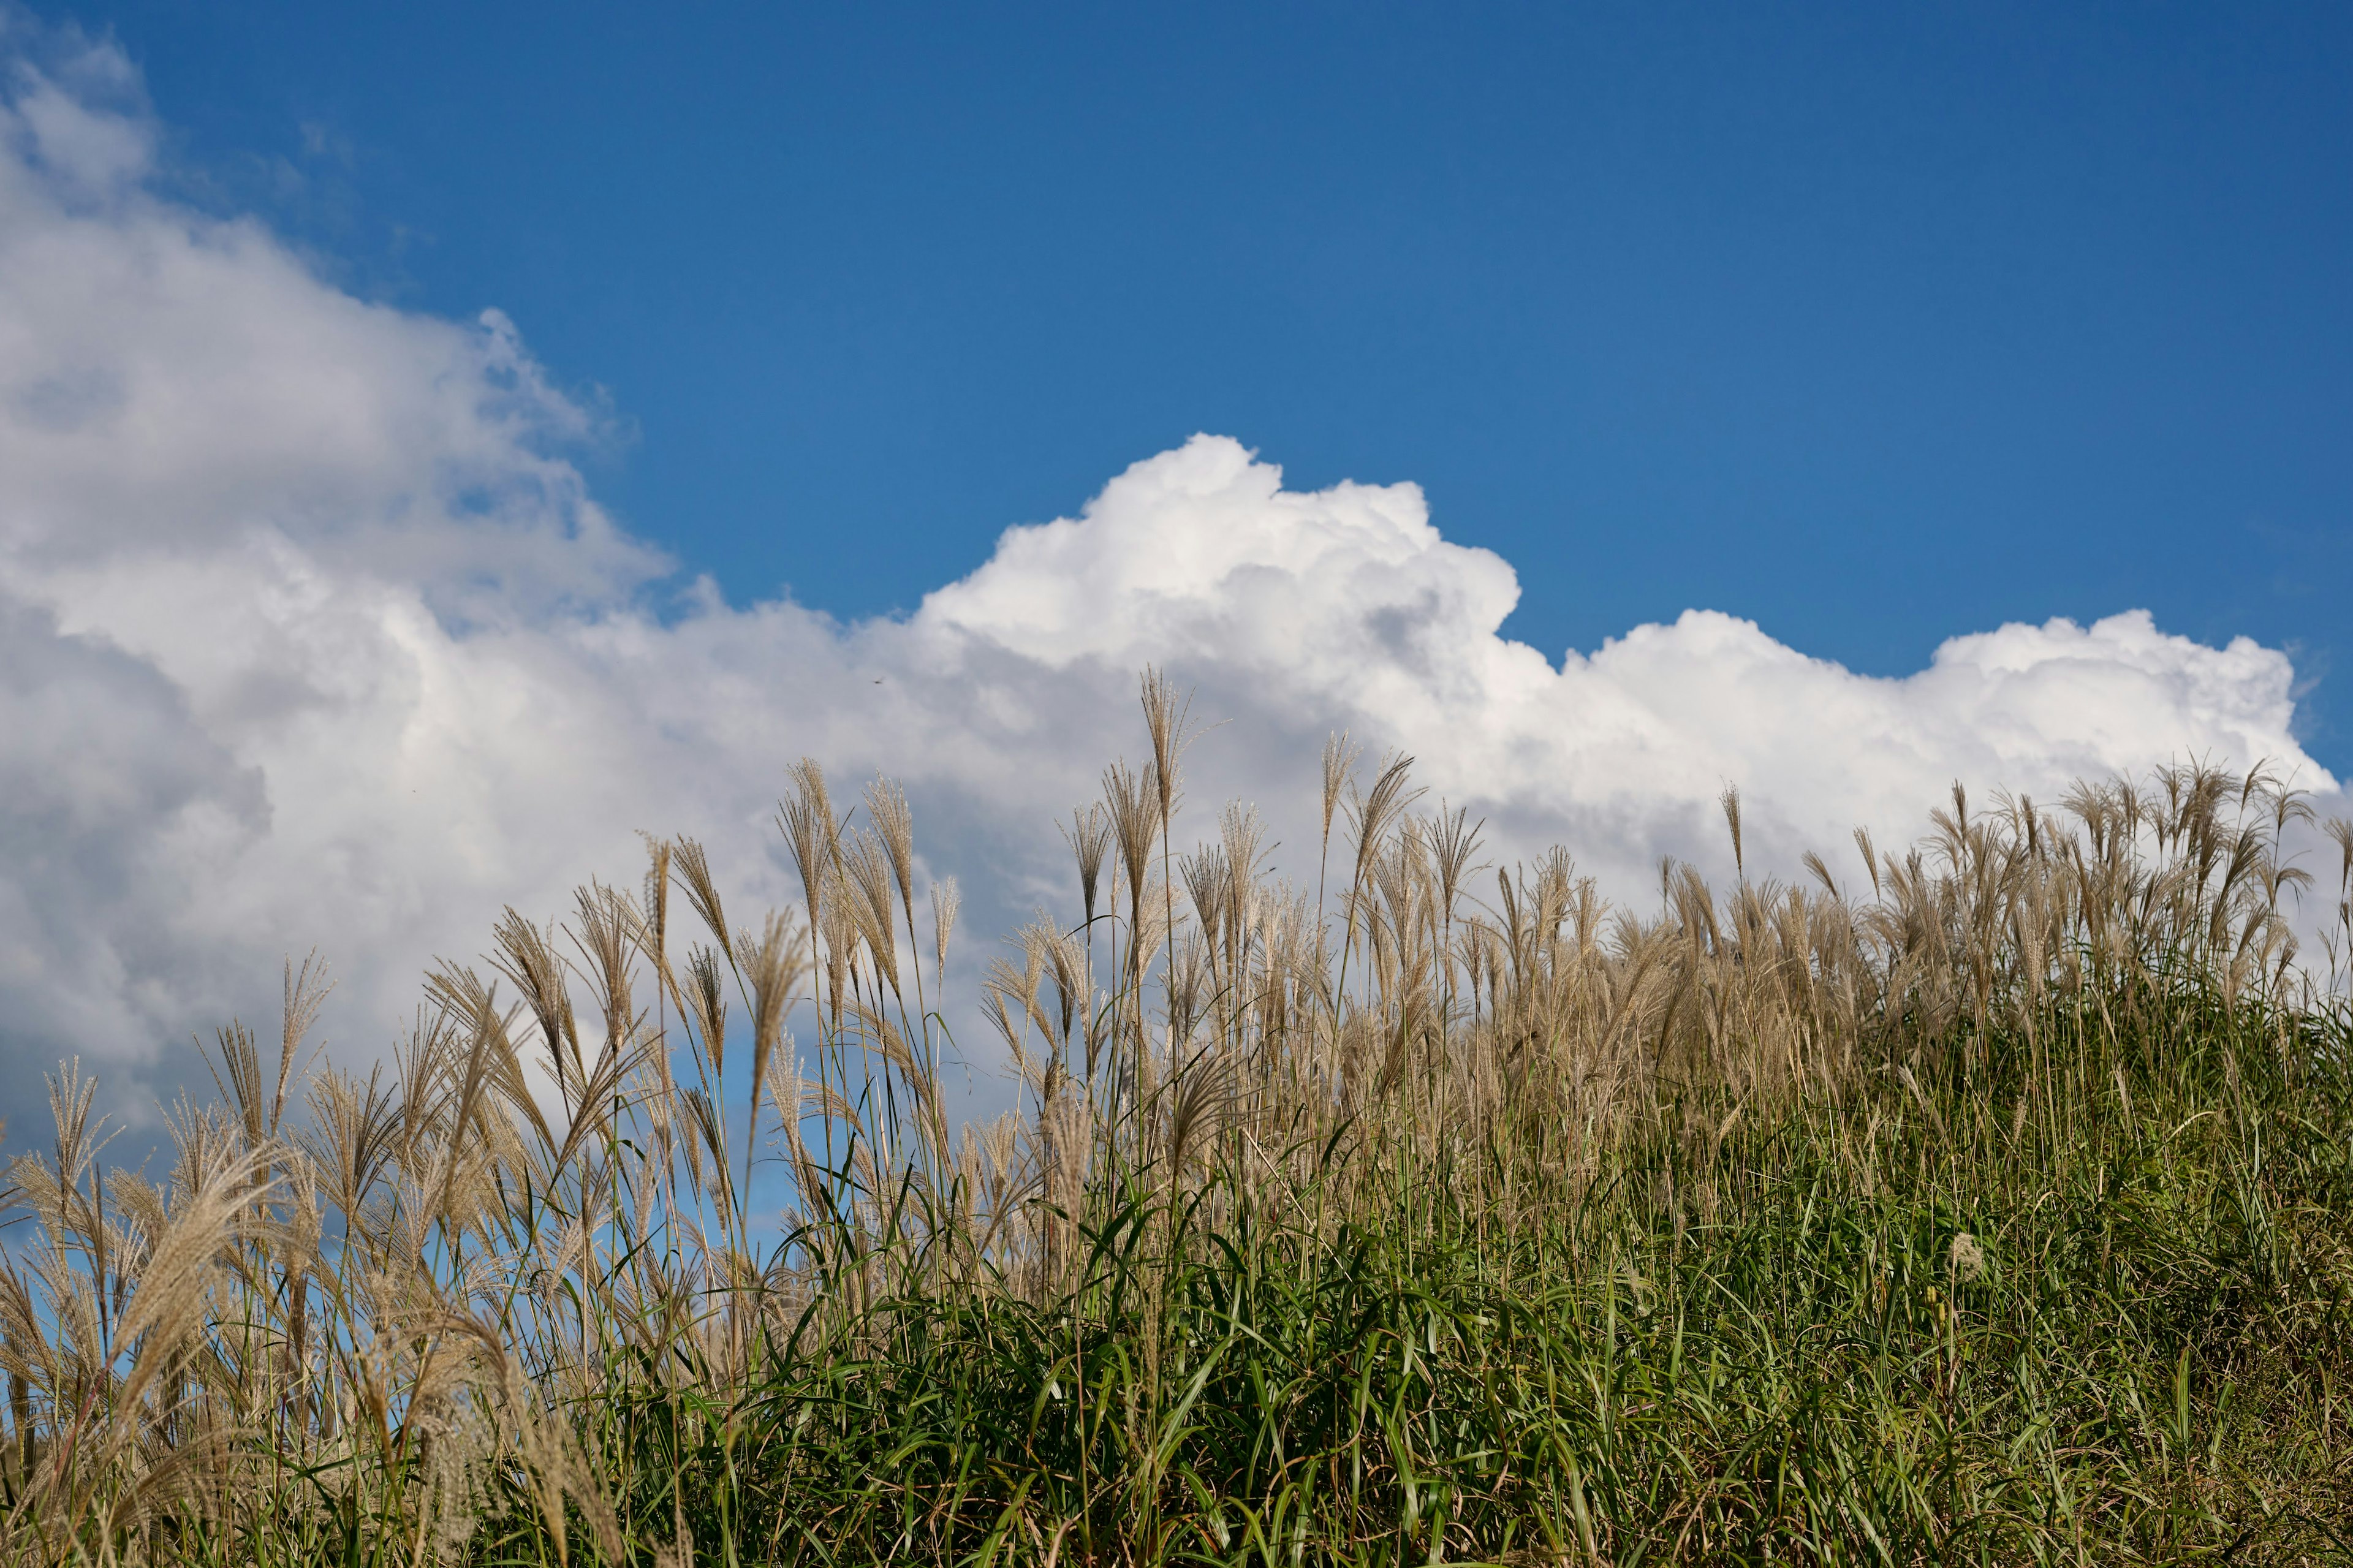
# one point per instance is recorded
(313, 635)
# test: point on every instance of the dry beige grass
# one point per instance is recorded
(397, 1283)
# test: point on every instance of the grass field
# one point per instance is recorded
(1992, 1205)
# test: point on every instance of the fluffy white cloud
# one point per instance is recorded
(310, 634)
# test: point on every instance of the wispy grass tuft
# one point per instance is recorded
(1444, 1213)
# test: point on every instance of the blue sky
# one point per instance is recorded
(1875, 324)
(1899, 333)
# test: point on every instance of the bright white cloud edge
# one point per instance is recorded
(310, 634)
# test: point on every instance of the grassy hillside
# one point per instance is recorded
(1997, 1208)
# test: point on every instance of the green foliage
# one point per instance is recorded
(1854, 1334)
(2001, 1218)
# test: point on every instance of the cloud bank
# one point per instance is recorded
(311, 634)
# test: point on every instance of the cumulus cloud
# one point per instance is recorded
(311, 634)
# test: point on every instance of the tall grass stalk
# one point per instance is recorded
(1998, 1216)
